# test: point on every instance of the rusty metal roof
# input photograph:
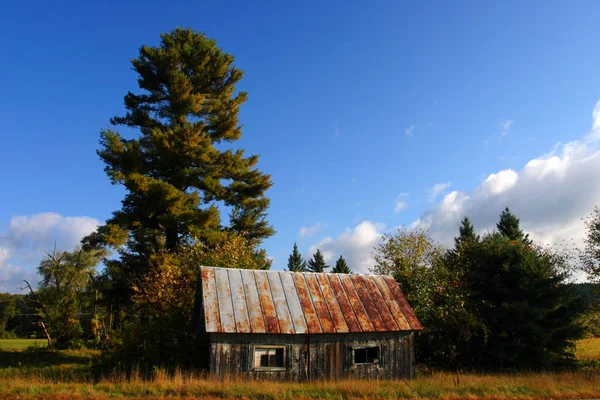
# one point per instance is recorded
(251, 301)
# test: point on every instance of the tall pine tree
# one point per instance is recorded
(295, 261)
(341, 267)
(317, 262)
(178, 169)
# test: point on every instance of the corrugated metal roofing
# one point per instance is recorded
(246, 301)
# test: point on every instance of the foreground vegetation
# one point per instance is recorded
(549, 385)
(36, 373)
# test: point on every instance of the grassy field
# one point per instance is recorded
(19, 344)
(38, 374)
(588, 349)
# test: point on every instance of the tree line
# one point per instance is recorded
(497, 301)
(296, 263)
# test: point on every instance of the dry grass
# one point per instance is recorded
(588, 349)
(437, 386)
(65, 375)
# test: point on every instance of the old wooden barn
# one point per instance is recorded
(304, 326)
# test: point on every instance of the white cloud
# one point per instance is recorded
(4, 255)
(355, 245)
(498, 183)
(409, 131)
(437, 190)
(400, 203)
(506, 125)
(550, 195)
(307, 231)
(23, 244)
(336, 128)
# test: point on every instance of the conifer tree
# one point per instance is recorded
(317, 262)
(295, 261)
(175, 172)
(508, 226)
(179, 168)
(341, 267)
(523, 298)
(466, 233)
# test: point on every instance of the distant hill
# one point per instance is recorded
(589, 291)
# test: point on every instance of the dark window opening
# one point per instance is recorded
(366, 355)
(269, 357)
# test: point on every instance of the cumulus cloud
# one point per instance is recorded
(355, 245)
(307, 231)
(506, 125)
(550, 194)
(437, 189)
(23, 244)
(409, 131)
(400, 203)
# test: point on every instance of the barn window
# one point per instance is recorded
(366, 355)
(269, 357)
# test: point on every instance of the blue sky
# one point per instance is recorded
(358, 110)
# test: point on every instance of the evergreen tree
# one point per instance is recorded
(466, 233)
(508, 225)
(295, 261)
(522, 296)
(317, 262)
(341, 267)
(178, 169)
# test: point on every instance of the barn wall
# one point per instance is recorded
(324, 356)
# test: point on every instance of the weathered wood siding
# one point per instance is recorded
(313, 357)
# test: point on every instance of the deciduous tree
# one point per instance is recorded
(409, 255)
(7, 310)
(433, 288)
(161, 330)
(592, 246)
(65, 277)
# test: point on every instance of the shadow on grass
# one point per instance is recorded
(39, 358)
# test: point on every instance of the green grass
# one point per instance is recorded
(30, 359)
(20, 344)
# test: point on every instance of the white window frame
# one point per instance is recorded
(268, 347)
